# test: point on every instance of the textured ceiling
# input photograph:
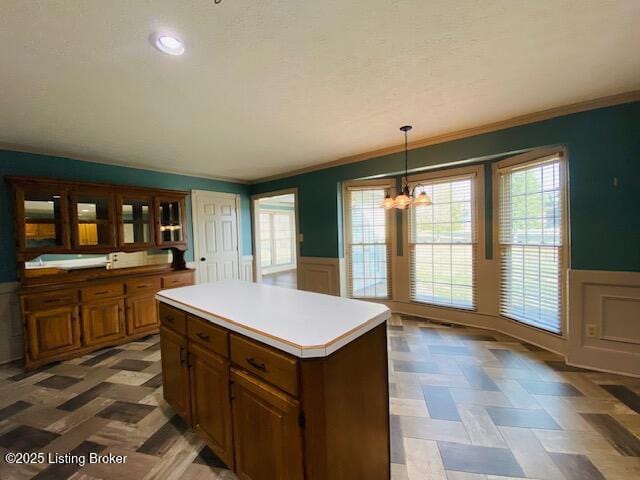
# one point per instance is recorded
(271, 86)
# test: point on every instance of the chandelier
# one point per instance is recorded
(407, 196)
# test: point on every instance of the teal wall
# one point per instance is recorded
(602, 144)
(32, 165)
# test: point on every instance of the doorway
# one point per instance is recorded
(275, 222)
(216, 235)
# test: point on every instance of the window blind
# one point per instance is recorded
(367, 246)
(531, 242)
(442, 244)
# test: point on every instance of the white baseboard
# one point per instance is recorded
(11, 341)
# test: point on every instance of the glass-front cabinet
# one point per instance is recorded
(170, 224)
(135, 221)
(67, 217)
(44, 214)
(92, 219)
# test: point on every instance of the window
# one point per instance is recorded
(442, 244)
(367, 243)
(265, 239)
(531, 241)
(277, 239)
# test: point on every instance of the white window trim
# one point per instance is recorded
(389, 185)
(477, 171)
(566, 234)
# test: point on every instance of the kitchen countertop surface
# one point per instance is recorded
(301, 323)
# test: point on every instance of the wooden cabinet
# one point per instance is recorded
(175, 373)
(210, 406)
(92, 219)
(142, 314)
(103, 321)
(52, 331)
(268, 442)
(135, 213)
(57, 216)
(170, 221)
(269, 415)
(68, 322)
(42, 219)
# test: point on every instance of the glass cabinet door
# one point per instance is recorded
(44, 214)
(136, 220)
(92, 216)
(170, 221)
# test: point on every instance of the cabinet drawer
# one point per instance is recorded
(275, 367)
(142, 285)
(40, 301)
(178, 280)
(209, 335)
(99, 292)
(173, 318)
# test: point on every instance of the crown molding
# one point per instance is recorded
(519, 120)
(108, 161)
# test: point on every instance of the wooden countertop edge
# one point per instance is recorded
(364, 328)
(26, 289)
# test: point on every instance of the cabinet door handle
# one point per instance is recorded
(183, 356)
(203, 336)
(169, 318)
(256, 364)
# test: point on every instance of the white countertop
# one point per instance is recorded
(301, 323)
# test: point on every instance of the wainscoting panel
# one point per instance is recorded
(246, 269)
(604, 320)
(320, 275)
(11, 344)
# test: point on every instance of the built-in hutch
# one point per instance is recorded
(70, 311)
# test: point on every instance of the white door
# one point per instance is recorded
(216, 230)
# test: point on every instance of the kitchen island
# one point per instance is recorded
(281, 384)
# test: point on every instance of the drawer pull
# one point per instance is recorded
(203, 336)
(102, 292)
(144, 285)
(256, 364)
(53, 300)
(169, 318)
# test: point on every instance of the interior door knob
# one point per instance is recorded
(203, 259)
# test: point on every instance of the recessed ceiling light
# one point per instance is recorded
(169, 44)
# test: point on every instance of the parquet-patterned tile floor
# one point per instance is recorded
(465, 403)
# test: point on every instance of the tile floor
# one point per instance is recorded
(466, 404)
(282, 279)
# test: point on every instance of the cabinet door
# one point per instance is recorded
(266, 428)
(135, 221)
(210, 401)
(52, 332)
(170, 221)
(42, 218)
(103, 321)
(92, 219)
(175, 373)
(142, 314)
